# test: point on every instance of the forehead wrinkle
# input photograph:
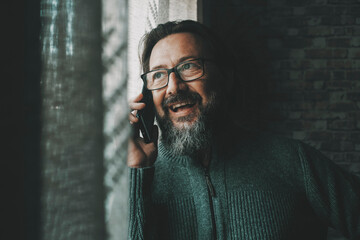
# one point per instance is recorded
(175, 48)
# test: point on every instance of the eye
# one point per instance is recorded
(187, 66)
(158, 75)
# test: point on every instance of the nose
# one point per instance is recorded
(175, 84)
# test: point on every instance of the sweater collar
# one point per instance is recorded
(188, 161)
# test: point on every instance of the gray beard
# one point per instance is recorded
(190, 138)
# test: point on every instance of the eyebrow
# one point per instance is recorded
(161, 66)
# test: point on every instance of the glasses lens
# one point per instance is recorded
(156, 79)
(190, 70)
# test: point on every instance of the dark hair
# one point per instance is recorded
(210, 41)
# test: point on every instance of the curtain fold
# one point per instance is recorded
(71, 142)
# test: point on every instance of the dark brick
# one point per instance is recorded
(295, 75)
(354, 10)
(353, 75)
(340, 10)
(312, 75)
(294, 115)
(354, 115)
(296, 106)
(341, 135)
(356, 64)
(339, 84)
(294, 124)
(357, 147)
(355, 136)
(355, 163)
(314, 144)
(315, 125)
(297, 42)
(312, 21)
(327, 115)
(337, 20)
(330, 146)
(297, 21)
(339, 64)
(342, 1)
(320, 10)
(296, 64)
(338, 42)
(355, 41)
(318, 53)
(298, 10)
(281, 10)
(342, 107)
(340, 53)
(355, 96)
(320, 105)
(318, 31)
(339, 31)
(338, 75)
(347, 146)
(355, 31)
(349, 31)
(300, 135)
(316, 95)
(337, 157)
(320, 135)
(318, 85)
(336, 146)
(298, 2)
(318, 63)
(337, 96)
(354, 53)
(342, 125)
(295, 96)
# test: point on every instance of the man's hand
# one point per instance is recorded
(140, 154)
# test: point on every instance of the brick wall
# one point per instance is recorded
(300, 65)
(315, 85)
(299, 61)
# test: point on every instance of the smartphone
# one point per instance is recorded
(147, 115)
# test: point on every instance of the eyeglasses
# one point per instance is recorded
(186, 71)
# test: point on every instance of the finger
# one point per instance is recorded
(137, 105)
(132, 118)
(137, 98)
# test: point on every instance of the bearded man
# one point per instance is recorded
(208, 178)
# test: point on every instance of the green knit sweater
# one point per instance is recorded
(257, 187)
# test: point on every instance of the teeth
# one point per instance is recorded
(175, 106)
(179, 105)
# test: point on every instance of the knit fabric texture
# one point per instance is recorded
(263, 187)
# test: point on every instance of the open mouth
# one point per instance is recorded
(181, 106)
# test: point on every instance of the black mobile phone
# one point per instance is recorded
(146, 115)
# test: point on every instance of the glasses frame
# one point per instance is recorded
(174, 69)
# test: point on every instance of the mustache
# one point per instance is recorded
(181, 96)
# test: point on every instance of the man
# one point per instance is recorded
(210, 179)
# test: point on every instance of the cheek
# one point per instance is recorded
(158, 97)
(202, 89)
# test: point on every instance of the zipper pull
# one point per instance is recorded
(209, 184)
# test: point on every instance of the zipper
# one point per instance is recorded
(211, 192)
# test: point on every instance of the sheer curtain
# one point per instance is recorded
(71, 140)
